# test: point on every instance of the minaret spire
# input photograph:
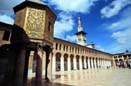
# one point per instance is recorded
(80, 35)
(80, 28)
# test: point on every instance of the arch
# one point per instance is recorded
(117, 62)
(87, 62)
(96, 62)
(64, 47)
(83, 62)
(71, 58)
(65, 61)
(60, 46)
(121, 63)
(67, 48)
(77, 60)
(58, 55)
(56, 46)
(91, 62)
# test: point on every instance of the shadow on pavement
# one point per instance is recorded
(45, 83)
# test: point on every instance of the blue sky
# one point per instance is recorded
(106, 22)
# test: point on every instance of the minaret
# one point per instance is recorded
(81, 35)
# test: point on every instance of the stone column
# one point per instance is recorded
(53, 64)
(98, 62)
(48, 51)
(62, 62)
(49, 69)
(85, 64)
(109, 63)
(92, 63)
(95, 63)
(74, 63)
(102, 63)
(20, 64)
(44, 64)
(89, 63)
(80, 63)
(26, 67)
(125, 65)
(69, 63)
(39, 67)
(106, 64)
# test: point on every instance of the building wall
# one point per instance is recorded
(123, 60)
(67, 56)
(5, 33)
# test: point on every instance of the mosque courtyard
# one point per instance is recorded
(96, 77)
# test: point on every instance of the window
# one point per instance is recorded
(67, 48)
(6, 35)
(49, 26)
(59, 46)
(79, 39)
(56, 46)
(64, 47)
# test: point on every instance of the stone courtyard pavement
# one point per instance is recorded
(101, 77)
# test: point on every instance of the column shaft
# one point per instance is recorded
(80, 63)
(39, 67)
(69, 63)
(20, 67)
(92, 66)
(95, 63)
(74, 63)
(53, 64)
(85, 64)
(62, 63)
(89, 63)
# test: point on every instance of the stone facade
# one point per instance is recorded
(123, 60)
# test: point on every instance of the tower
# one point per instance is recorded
(34, 30)
(81, 35)
(37, 20)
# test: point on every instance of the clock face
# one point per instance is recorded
(34, 23)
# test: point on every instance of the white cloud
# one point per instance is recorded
(121, 32)
(123, 37)
(63, 25)
(114, 8)
(6, 6)
(121, 25)
(6, 19)
(11, 3)
(99, 47)
(71, 38)
(72, 6)
(65, 21)
(6, 10)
